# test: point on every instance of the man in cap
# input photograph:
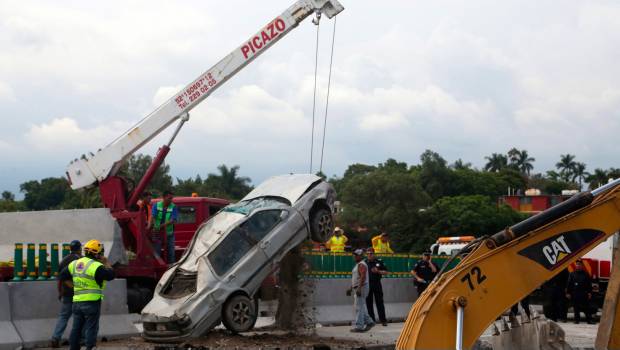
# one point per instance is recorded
(377, 269)
(337, 242)
(359, 288)
(423, 272)
(381, 244)
(65, 294)
(88, 276)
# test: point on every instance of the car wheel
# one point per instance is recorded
(239, 314)
(321, 225)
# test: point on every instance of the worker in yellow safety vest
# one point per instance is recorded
(381, 244)
(337, 242)
(87, 275)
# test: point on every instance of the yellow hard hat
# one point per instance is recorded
(93, 246)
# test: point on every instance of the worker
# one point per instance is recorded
(163, 218)
(337, 242)
(359, 289)
(579, 291)
(65, 294)
(88, 275)
(377, 270)
(381, 244)
(144, 204)
(423, 272)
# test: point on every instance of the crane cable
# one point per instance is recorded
(329, 81)
(316, 65)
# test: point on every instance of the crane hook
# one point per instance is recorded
(316, 20)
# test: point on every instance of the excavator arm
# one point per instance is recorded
(498, 271)
(88, 171)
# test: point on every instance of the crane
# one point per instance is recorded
(498, 271)
(101, 168)
(145, 267)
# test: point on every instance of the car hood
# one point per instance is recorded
(290, 187)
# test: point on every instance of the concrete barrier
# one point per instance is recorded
(330, 305)
(61, 226)
(34, 308)
(9, 338)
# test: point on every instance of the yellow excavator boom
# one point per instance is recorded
(498, 271)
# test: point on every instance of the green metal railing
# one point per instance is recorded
(339, 265)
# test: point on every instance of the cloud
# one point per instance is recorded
(6, 92)
(62, 135)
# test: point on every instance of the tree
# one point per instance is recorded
(459, 164)
(470, 215)
(135, 168)
(524, 162)
(8, 196)
(566, 166)
(496, 162)
(434, 174)
(598, 178)
(227, 183)
(49, 193)
(189, 186)
(579, 173)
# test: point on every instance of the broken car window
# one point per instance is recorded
(240, 240)
(247, 207)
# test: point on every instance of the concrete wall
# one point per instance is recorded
(330, 304)
(9, 338)
(61, 226)
(34, 307)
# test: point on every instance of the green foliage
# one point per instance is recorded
(48, 193)
(134, 169)
(469, 215)
(226, 184)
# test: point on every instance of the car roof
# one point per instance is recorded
(291, 187)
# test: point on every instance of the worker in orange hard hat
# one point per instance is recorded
(88, 276)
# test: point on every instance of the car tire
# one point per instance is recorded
(239, 314)
(321, 225)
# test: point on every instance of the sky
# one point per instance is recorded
(463, 78)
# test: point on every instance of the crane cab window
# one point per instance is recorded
(187, 215)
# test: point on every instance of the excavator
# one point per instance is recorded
(499, 270)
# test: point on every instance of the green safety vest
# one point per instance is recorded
(85, 288)
(160, 212)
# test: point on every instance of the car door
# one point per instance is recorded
(289, 231)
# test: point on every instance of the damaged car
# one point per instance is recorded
(220, 273)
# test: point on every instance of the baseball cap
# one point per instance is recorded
(75, 245)
(358, 252)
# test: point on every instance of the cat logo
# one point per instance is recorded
(556, 251)
(553, 251)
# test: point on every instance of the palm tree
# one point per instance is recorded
(553, 175)
(459, 164)
(496, 162)
(579, 173)
(598, 178)
(524, 162)
(566, 166)
(513, 155)
(229, 182)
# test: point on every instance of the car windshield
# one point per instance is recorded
(246, 207)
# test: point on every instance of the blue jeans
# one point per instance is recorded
(63, 317)
(169, 247)
(362, 318)
(85, 320)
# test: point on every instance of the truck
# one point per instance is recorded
(101, 169)
(450, 245)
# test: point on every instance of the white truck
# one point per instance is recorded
(450, 245)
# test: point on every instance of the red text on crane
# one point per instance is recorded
(270, 32)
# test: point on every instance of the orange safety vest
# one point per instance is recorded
(336, 244)
(381, 247)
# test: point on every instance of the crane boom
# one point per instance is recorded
(88, 171)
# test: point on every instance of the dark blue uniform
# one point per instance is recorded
(376, 290)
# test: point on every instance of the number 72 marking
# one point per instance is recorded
(479, 277)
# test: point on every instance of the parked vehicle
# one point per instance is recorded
(450, 245)
(231, 254)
